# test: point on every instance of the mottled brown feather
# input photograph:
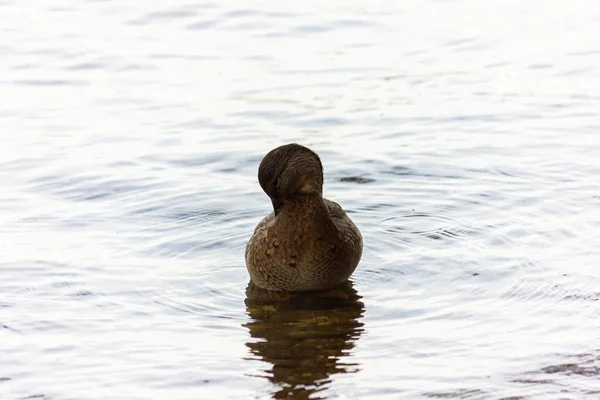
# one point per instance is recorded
(308, 242)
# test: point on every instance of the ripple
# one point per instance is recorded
(356, 179)
(131, 138)
(213, 300)
(49, 82)
(458, 394)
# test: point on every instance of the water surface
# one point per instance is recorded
(461, 136)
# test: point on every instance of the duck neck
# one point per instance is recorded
(305, 204)
(303, 217)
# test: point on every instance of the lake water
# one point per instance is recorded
(461, 136)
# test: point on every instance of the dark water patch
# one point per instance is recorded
(575, 71)
(531, 289)
(379, 274)
(496, 171)
(588, 366)
(62, 284)
(357, 179)
(23, 67)
(201, 25)
(458, 42)
(83, 293)
(533, 381)
(184, 212)
(46, 326)
(569, 369)
(192, 215)
(579, 296)
(377, 207)
(8, 328)
(457, 394)
(172, 301)
(61, 53)
(431, 173)
(86, 66)
(164, 16)
(584, 53)
(49, 82)
(577, 376)
(227, 170)
(60, 349)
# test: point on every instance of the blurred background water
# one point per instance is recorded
(461, 136)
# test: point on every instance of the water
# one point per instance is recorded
(461, 136)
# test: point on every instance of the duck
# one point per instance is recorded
(308, 243)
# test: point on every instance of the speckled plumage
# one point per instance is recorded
(308, 242)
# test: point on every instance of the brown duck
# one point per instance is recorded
(307, 242)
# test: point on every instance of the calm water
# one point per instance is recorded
(461, 136)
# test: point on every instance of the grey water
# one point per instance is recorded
(461, 136)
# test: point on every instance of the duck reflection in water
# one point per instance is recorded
(304, 336)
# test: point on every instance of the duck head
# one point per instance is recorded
(290, 171)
